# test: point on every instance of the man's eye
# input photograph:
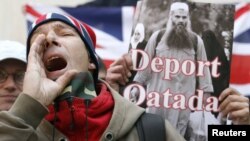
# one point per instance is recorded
(3, 74)
(66, 34)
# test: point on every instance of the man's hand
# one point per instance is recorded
(235, 105)
(119, 71)
(36, 84)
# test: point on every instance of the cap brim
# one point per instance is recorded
(2, 58)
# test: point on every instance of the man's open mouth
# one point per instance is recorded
(55, 63)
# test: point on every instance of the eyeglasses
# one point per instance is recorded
(18, 76)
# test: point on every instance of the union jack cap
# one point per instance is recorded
(85, 32)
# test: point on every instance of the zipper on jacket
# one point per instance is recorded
(71, 108)
(56, 107)
(86, 102)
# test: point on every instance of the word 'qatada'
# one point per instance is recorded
(175, 101)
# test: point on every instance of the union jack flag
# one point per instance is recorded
(112, 25)
(240, 65)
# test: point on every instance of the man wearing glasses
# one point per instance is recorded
(12, 69)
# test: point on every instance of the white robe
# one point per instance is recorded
(179, 83)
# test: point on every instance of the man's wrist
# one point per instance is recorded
(28, 109)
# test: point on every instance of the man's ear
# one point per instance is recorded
(91, 66)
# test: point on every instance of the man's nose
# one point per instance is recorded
(51, 39)
(10, 83)
(181, 20)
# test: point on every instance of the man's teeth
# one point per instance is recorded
(51, 58)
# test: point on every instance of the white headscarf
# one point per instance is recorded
(139, 28)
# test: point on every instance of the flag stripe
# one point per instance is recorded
(243, 37)
(242, 88)
(242, 24)
(240, 69)
(241, 11)
(31, 11)
(241, 49)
